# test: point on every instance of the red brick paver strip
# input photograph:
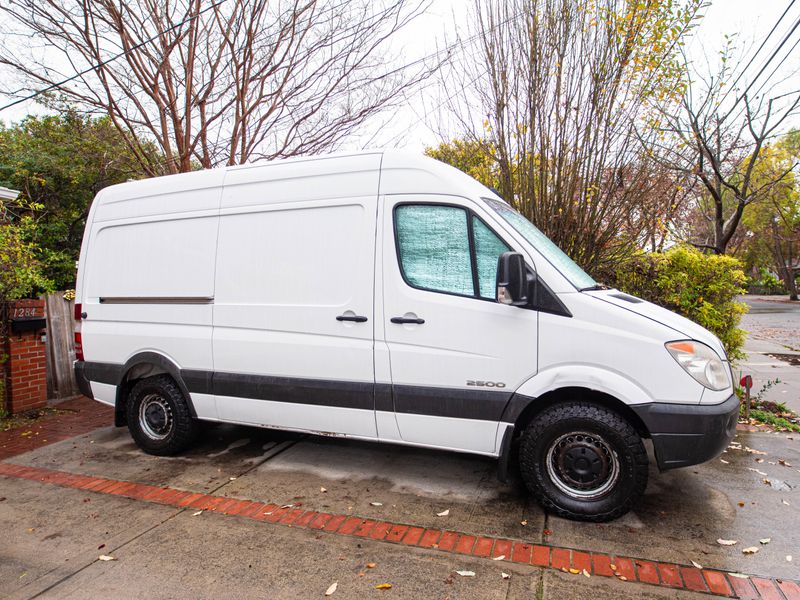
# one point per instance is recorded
(465, 544)
(648, 572)
(790, 589)
(742, 588)
(430, 538)
(625, 567)
(708, 581)
(483, 547)
(717, 583)
(693, 578)
(561, 559)
(670, 575)
(602, 565)
(413, 536)
(502, 548)
(541, 556)
(766, 588)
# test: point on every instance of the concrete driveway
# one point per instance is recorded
(56, 527)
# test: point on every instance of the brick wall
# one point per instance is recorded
(26, 365)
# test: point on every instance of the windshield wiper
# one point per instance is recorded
(594, 288)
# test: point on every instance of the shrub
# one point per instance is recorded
(701, 287)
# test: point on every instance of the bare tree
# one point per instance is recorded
(722, 146)
(557, 88)
(219, 83)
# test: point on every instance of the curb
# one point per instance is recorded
(577, 562)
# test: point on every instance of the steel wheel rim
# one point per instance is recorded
(582, 465)
(155, 416)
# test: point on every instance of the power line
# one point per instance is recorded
(775, 70)
(110, 60)
(763, 68)
(757, 52)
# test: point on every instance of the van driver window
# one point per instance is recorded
(434, 247)
(433, 242)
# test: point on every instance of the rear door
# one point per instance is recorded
(293, 314)
(455, 353)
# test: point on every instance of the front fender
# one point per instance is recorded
(575, 376)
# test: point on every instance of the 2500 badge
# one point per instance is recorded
(489, 384)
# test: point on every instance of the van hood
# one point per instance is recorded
(681, 325)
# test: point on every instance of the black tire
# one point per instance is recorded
(584, 462)
(159, 418)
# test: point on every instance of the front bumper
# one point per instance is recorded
(685, 435)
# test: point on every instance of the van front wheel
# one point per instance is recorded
(158, 416)
(583, 461)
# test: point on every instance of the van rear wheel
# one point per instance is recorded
(583, 461)
(158, 416)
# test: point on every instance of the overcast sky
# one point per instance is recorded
(410, 128)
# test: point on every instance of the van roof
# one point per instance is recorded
(394, 172)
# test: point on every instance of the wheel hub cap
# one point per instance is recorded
(582, 465)
(155, 416)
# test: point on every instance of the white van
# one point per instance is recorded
(389, 297)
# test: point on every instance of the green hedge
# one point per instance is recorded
(701, 287)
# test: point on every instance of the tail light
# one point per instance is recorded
(78, 340)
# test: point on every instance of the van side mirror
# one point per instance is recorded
(512, 279)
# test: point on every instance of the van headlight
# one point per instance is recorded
(701, 362)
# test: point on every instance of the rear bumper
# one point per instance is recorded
(80, 377)
(685, 435)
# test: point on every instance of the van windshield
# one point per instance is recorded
(552, 253)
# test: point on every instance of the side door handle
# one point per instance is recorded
(354, 318)
(401, 320)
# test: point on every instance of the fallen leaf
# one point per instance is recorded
(723, 461)
(786, 502)
(622, 578)
(505, 575)
(759, 460)
(697, 565)
(574, 571)
(101, 546)
(376, 503)
(722, 542)
(332, 588)
(371, 565)
(444, 513)
(105, 557)
(231, 478)
(757, 471)
(784, 463)
(585, 573)
(765, 541)
(547, 532)
(323, 490)
(199, 512)
(383, 586)
(613, 567)
(788, 558)
(524, 522)
(752, 451)
(741, 504)
(739, 575)
(501, 557)
(750, 550)
(361, 574)
(466, 573)
(287, 506)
